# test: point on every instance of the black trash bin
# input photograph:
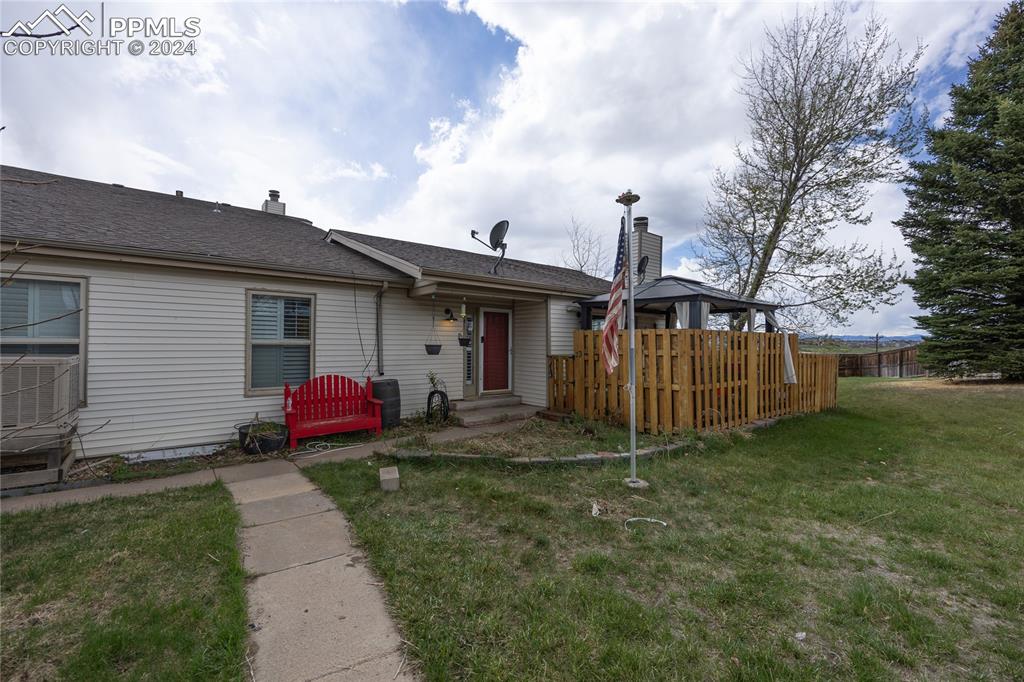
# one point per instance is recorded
(386, 391)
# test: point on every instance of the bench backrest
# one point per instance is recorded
(329, 396)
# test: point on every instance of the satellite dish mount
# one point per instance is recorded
(497, 241)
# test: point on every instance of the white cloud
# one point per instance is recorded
(328, 171)
(608, 96)
(686, 266)
(447, 140)
(312, 99)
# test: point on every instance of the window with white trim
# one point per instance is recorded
(280, 340)
(43, 317)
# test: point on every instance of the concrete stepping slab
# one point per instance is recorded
(294, 542)
(256, 489)
(322, 620)
(275, 509)
(245, 472)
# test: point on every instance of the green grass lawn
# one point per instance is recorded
(146, 587)
(889, 533)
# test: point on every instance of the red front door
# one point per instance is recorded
(495, 343)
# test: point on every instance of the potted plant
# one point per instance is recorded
(259, 437)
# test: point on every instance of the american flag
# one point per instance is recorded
(610, 333)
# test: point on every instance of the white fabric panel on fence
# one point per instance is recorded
(682, 315)
(789, 371)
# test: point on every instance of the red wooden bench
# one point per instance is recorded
(330, 404)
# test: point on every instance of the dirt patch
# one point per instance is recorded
(961, 385)
(542, 438)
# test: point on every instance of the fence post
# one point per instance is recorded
(551, 382)
(753, 382)
(577, 347)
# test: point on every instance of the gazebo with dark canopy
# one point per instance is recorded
(685, 303)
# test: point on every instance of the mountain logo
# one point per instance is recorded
(62, 18)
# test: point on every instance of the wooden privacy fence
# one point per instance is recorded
(899, 362)
(691, 379)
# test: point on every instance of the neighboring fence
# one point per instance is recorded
(691, 379)
(899, 362)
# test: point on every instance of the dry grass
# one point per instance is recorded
(538, 437)
(962, 387)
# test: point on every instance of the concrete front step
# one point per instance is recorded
(494, 415)
(486, 402)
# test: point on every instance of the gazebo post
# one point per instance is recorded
(668, 318)
(586, 321)
(695, 315)
(752, 319)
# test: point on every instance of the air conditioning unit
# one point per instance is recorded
(39, 407)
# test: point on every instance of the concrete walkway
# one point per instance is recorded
(316, 610)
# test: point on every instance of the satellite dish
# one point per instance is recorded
(498, 233)
(641, 268)
(497, 241)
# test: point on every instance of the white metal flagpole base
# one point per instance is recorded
(635, 483)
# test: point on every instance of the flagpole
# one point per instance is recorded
(627, 199)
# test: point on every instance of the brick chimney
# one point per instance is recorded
(648, 244)
(273, 204)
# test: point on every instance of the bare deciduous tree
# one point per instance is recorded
(586, 250)
(829, 116)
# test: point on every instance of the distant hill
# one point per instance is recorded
(859, 337)
(856, 343)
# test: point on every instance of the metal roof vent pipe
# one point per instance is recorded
(273, 204)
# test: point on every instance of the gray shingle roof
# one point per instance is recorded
(663, 291)
(458, 262)
(79, 213)
(84, 213)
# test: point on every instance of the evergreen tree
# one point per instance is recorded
(965, 218)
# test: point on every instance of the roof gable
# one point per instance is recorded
(455, 262)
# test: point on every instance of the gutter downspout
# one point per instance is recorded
(380, 327)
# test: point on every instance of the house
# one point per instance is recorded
(195, 313)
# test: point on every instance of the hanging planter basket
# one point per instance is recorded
(464, 340)
(433, 342)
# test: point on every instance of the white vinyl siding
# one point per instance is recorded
(563, 324)
(406, 328)
(529, 353)
(167, 349)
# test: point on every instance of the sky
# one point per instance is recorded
(424, 120)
